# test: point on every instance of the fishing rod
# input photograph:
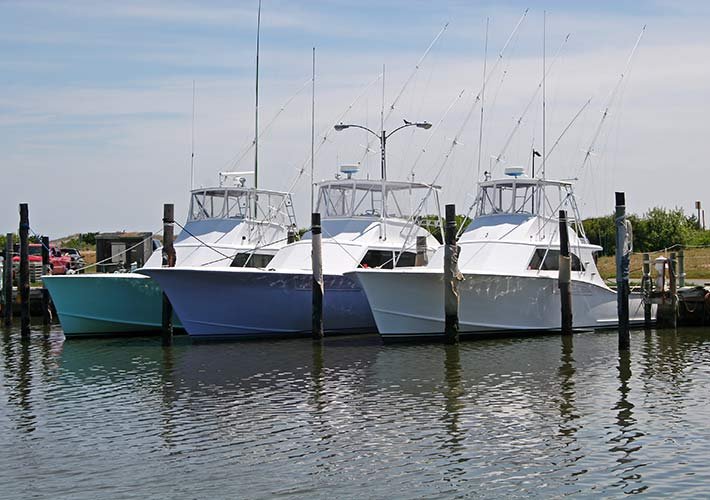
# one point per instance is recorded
(612, 97)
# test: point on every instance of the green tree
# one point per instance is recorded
(661, 228)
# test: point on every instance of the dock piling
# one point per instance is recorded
(451, 278)
(169, 258)
(623, 255)
(565, 277)
(7, 280)
(290, 235)
(24, 285)
(681, 267)
(317, 283)
(647, 286)
(46, 312)
(421, 259)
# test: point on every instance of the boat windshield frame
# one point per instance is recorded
(524, 196)
(355, 198)
(229, 202)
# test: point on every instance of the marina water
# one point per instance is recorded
(541, 416)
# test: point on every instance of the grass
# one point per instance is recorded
(697, 264)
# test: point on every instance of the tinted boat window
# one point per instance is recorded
(377, 258)
(248, 259)
(407, 259)
(549, 260)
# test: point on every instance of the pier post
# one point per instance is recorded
(565, 277)
(24, 285)
(681, 267)
(622, 272)
(317, 283)
(451, 278)
(7, 280)
(672, 267)
(290, 235)
(169, 258)
(46, 313)
(421, 258)
(647, 286)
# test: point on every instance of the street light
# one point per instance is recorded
(383, 136)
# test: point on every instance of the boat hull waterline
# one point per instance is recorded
(90, 304)
(411, 304)
(260, 302)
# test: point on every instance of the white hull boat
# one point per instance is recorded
(234, 302)
(509, 265)
(222, 230)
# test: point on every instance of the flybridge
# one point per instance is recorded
(519, 195)
(238, 202)
(364, 198)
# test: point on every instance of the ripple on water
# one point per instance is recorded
(540, 416)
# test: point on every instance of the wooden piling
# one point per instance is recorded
(451, 278)
(169, 258)
(622, 272)
(290, 235)
(681, 267)
(24, 285)
(565, 277)
(421, 259)
(317, 283)
(647, 286)
(673, 276)
(7, 280)
(46, 269)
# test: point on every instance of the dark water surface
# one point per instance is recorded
(522, 417)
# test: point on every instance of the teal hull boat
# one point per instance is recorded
(118, 303)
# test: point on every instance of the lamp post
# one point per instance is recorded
(383, 136)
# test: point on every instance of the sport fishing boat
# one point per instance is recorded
(365, 224)
(227, 225)
(509, 262)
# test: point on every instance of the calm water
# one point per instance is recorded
(542, 417)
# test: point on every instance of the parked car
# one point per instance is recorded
(77, 261)
(58, 263)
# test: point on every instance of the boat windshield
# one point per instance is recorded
(526, 196)
(363, 198)
(241, 203)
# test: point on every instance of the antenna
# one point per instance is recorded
(313, 122)
(256, 105)
(192, 146)
(544, 74)
(483, 93)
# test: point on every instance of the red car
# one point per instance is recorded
(58, 263)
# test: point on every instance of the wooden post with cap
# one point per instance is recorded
(317, 282)
(451, 278)
(564, 279)
(169, 259)
(622, 272)
(24, 285)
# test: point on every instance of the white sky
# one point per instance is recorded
(96, 101)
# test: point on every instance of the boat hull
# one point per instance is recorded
(245, 303)
(95, 304)
(411, 304)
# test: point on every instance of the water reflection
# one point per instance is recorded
(546, 416)
(625, 443)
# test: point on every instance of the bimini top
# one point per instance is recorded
(373, 198)
(239, 202)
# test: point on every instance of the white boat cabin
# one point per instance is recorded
(515, 230)
(233, 226)
(367, 223)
